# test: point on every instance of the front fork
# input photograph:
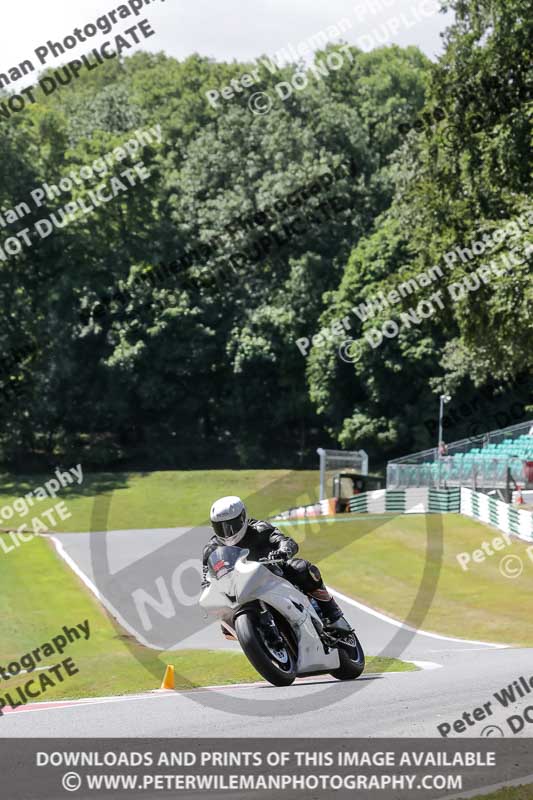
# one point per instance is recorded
(269, 627)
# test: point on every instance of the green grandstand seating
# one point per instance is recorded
(489, 462)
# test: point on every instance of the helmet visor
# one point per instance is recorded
(229, 530)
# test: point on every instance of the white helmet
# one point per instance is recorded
(229, 519)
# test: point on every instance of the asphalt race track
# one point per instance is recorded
(457, 676)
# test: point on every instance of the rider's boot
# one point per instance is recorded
(331, 611)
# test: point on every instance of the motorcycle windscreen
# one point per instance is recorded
(223, 560)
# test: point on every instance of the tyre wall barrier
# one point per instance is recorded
(473, 504)
(502, 515)
(407, 501)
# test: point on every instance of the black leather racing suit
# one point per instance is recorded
(262, 538)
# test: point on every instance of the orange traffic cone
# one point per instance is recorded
(168, 680)
(519, 498)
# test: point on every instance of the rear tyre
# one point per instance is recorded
(352, 659)
(276, 664)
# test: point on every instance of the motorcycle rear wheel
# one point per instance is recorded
(352, 660)
(276, 665)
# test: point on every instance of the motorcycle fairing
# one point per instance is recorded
(250, 581)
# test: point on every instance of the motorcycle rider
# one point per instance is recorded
(232, 526)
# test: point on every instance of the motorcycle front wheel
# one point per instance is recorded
(352, 659)
(276, 663)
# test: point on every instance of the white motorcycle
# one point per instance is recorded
(278, 627)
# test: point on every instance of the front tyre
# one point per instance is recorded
(351, 657)
(276, 663)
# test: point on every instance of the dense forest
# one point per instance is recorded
(160, 328)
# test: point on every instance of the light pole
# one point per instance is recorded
(444, 398)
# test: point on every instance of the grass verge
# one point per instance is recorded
(382, 560)
(40, 595)
(512, 793)
(160, 499)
